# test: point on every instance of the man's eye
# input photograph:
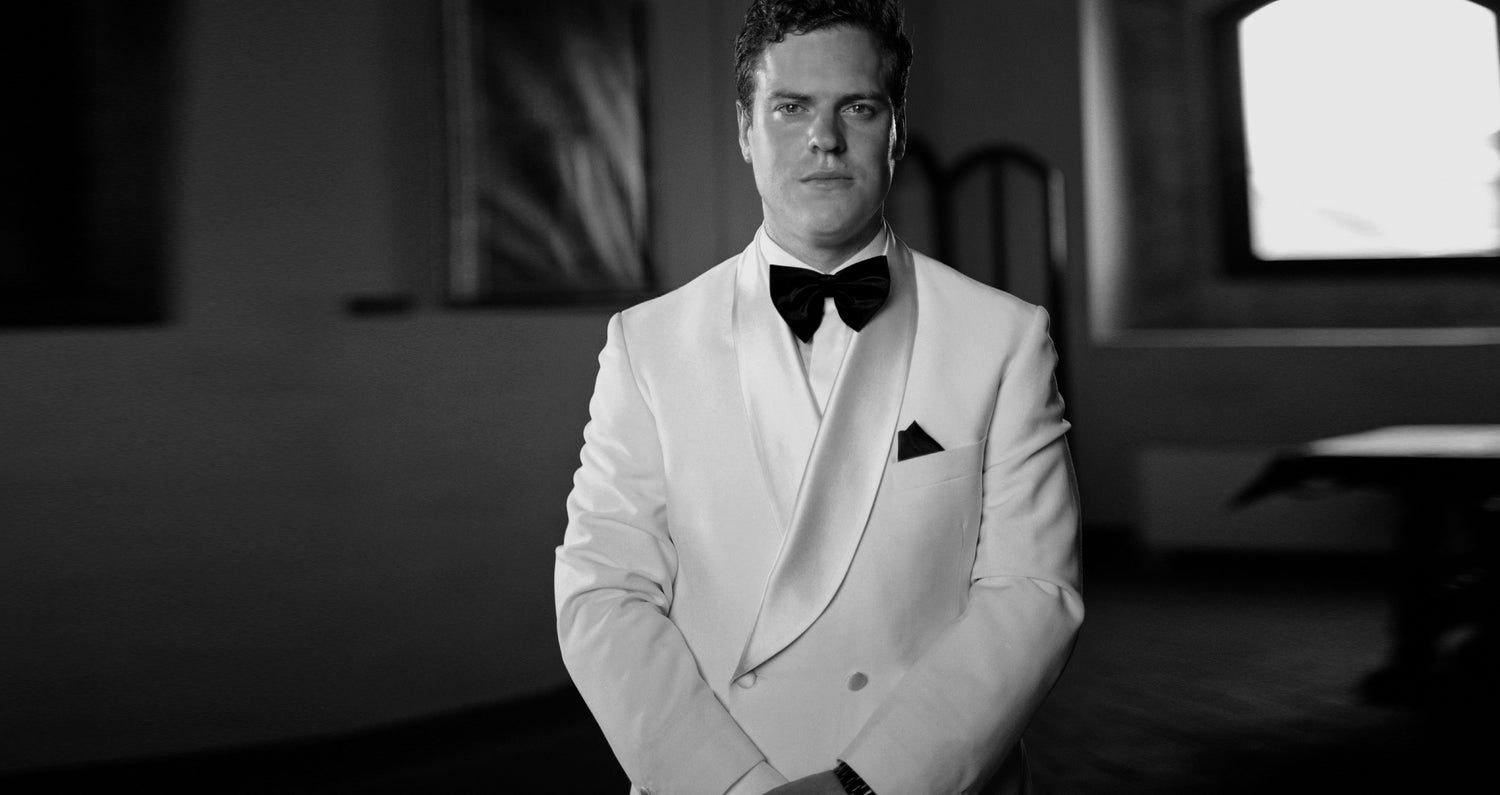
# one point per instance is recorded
(788, 107)
(859, 109)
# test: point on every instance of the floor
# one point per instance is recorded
(1207, 674)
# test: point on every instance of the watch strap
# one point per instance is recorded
(850, 780)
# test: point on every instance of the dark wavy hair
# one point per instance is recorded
(770, 21)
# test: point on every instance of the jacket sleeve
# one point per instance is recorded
(960, 710)
(613, 587)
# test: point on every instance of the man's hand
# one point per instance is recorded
(825, 783)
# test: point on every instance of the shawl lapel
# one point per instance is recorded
(836, 489)
(783, 412)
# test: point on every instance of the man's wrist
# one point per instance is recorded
(850, 780)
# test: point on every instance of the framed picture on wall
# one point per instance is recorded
(84, 163)
(547, 171)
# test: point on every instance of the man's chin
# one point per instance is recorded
(849, 232)
(838, 218)
(829, 227)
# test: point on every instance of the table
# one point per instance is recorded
(1447, 480)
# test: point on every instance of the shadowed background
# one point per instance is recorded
(267, 521)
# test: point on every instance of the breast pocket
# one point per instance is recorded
(939, 467)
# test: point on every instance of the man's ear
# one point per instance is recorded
(742, 117)
(898, 149)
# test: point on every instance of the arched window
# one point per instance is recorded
(1361, 135)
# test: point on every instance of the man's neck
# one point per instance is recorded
(826, 258)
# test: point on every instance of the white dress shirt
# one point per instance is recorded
(823, 355)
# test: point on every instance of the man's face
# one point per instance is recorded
(822, 139)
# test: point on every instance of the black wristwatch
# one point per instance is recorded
(852, 783)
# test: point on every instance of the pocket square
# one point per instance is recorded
(914, 442)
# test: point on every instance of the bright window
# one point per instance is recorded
(1372, 129)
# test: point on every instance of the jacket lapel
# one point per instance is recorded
(783, 413)
(843, 473)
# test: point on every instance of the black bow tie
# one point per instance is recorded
(858, 292)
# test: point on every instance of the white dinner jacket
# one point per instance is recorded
(741, 582)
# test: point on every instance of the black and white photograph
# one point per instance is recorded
(750, 397)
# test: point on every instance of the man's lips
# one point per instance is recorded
(827, 177)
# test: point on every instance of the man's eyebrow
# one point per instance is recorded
(862, 96)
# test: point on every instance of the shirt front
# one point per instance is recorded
(823, 355)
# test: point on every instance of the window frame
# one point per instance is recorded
(1240, 259)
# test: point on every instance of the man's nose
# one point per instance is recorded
(827, 134)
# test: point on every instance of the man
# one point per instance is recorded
(824, 538)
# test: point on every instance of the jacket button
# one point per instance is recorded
(747, 681)
(858, 681)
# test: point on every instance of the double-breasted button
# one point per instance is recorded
(747, 681)
(857, 681)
